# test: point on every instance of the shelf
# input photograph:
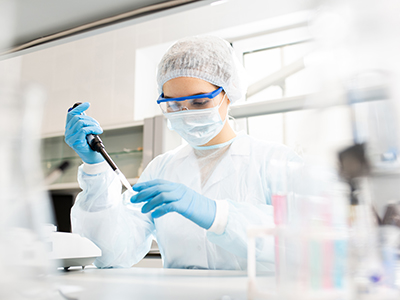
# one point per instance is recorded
(124, 144)
(75, 185)
(106, 128)
(64, 186)
(384, 171)
(77, 157)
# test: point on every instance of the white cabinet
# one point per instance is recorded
(131, 147)
(124, 144)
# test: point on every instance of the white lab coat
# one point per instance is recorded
(246, 177)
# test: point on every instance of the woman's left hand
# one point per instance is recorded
(163, 197)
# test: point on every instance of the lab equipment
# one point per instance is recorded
(205, 57)
(349, 255)
(162, 197)
(311, 268)
(74, 133)
(202, 101)
(77, 127)
(25, 207)
(310, 238)
(392, 216)
(56, 173)
(372, 159)
(69, 250)
(240, 183)
(197, 127)
(279, 202)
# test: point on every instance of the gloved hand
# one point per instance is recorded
(77, 127)
(164, 196)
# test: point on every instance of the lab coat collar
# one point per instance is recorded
(224, 170)
(227, 167)
(187, 163)
(187, 167)
(240, 145)
(183, 152)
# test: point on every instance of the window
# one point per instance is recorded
(261, 64)
(277, 73)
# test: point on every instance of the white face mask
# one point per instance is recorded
(197, 127)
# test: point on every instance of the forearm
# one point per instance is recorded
(123, 235)
(101, 188)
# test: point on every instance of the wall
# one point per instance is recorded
(115, 71)
(10, 69)
(99, 69)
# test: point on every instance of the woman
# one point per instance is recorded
(198, 199)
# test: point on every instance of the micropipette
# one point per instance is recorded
(96, 144)
(56, 173)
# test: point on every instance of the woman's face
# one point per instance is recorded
(188, 86)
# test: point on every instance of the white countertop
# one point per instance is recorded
(155, 283)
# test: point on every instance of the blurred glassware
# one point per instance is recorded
(25, 206)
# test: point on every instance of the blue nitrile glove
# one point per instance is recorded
(164, 196)
(77, 127)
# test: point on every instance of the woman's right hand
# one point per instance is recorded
(78, 126)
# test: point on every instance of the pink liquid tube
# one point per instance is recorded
(280, 219)
(280, 209)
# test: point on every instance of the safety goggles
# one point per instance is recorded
(194, 102)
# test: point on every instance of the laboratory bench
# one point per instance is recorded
(154, 283)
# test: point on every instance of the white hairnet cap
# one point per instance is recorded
(205, 57)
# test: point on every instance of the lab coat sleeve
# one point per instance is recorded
(124, 235)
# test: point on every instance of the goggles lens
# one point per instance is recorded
(195, 102)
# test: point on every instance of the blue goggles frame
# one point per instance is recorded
(210, 95)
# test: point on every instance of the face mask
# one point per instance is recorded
(197, 127)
